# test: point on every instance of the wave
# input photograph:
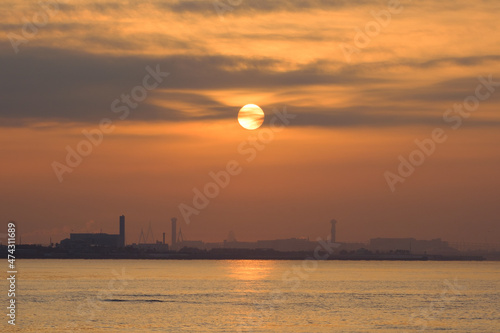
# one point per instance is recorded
(138, 300)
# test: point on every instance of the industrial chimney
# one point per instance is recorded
(332, 234)
(122, 230)
(174, 232)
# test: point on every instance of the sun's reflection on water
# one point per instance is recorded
(250, 270)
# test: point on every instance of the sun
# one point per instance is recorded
(251, 116)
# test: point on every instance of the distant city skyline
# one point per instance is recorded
(114, 246)
(148, 234)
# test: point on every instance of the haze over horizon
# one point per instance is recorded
(354, 115)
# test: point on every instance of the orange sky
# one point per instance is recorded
(353, 118)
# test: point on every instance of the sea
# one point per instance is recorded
(255, 296)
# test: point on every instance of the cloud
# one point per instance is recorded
(59, 84)
(359, 116)
(193, 6)
(42, 84)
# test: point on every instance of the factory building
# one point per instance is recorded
(97, 239)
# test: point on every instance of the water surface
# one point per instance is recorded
(257, 296)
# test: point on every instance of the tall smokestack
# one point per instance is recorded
(122, 230)
(163, 238)
(174, 232)
(332, 234)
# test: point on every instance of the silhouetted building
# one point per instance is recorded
(353, 246)
(158, 247)
(291, 244)
(88, 239)
(412, 245)
(191, 244)
(97, 239)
